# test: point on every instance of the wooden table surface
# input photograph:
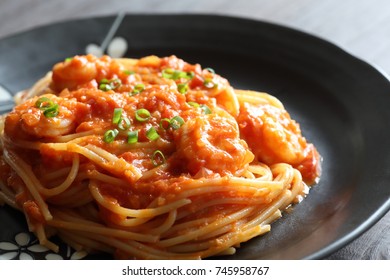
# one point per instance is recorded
(362, 27)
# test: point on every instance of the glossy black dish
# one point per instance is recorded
(340, 101)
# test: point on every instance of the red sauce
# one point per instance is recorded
(209, 143)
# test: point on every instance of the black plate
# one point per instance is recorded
(340, 101)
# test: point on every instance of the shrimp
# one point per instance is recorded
(27, 121)
(81, 70)
(71, 73)
(227, 99)
(212, 142)
(275, 138)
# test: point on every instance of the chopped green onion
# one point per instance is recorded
(51, 112)
(152, 134)
(193, 104)
(110, 135)
(211, 70)
(128, 72)
(115, 83)
(172, 74)
(106, 85)
(165, 123)
(182, 88)
(208, 83)
(176, 122)
(179, 74)
(206, 109)
(124, 123)
(142, 115)
(68, 59)
(44, 103)
(158, 158)
(190, 75)
(132, 137)
(137, 89)
(49, 108)
(117, 115)
(167, 73)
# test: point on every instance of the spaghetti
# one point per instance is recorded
(153, 158)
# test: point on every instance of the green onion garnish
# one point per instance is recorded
(124, 123)
(44, 103)
(152, 134)
(106, 85)
(49, 108)
(176, 122)
(158, 158)
(132, 137)
(206, 110)
(137, 89)
(165, 123)
(193, 104)
(51, 112)
(182, 88)
(110, 135)
(117, 115)
(128, 72)
(172, 74)
(167, 73)
(190, 75)
(115, 83)
(211, 70)
(142, 115)
(208, 83)
(68, 59)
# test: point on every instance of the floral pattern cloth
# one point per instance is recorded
(25, 246)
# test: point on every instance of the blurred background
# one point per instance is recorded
(361, 27)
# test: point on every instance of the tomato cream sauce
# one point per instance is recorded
(210, 134)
